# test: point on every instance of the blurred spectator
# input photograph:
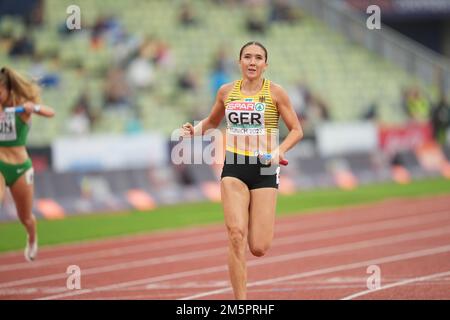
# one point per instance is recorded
(310, 108)
(133, 124)
(30, 11)
(162, 55)
(222, 60)
(187, 16)
(322, 107)
(97, 31)
(23, 46)
(371, 113)
(283, 11)
(221, 70)
(440, 119)
(106, 28)
(81, 71)
(140, 73)
(188, 81)
(404, 98)
(256, 24)
(37, 68)
(184, 175)
(80, 120)
(316, 111)
(416, 105)
(300, 96)
(36, 17)
(40, 72)
(218, 78)
(114, 31)
(116, 91)
(256, 20)
(305, 101)
(127, 49)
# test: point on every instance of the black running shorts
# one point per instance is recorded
(251, 171)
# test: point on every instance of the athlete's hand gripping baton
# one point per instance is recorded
(267, 157)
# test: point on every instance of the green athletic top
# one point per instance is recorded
(13, 130)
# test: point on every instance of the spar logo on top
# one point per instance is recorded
(246, 105)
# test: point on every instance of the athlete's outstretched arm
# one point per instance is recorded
(39, 109)
(290, 119)
(214, 118)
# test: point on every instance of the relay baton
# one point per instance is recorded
(18, 109)
(268, 157)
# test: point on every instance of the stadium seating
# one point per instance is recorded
(347, 76)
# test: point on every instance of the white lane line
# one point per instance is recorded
(175, 243)
(216, 237)
(281, 258)
(367, 227)
(358, 229)
(179, 242)
(120, 239)
(397, 284)
(361, 264)
(32, 291)
(120, 266)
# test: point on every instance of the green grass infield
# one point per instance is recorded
(96, 226)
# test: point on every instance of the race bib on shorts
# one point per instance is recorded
(245, 117)
(29, 176)
(7, 126)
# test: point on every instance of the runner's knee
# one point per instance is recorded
(258, 250)
(26, 219)
(236, 237)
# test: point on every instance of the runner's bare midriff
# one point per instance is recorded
(13, 155)
(253, 144)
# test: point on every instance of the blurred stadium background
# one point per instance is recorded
(372, 102)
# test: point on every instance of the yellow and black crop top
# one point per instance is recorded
(253, 115)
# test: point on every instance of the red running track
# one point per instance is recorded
(316, 256)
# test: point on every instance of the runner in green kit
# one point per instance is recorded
(19, 99)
